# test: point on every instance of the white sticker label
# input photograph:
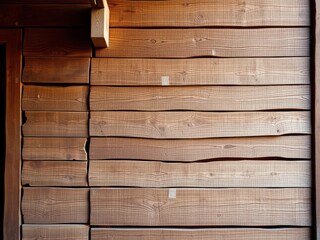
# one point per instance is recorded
(165, 81)
(214, 52)
(172, 193)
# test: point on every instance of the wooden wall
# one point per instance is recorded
(194, 124)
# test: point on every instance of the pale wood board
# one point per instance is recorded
(44, 98)
(200, 98)
(201, 149)
(195, 13)
(54, 149)
(166, 125)
(57, 70)
(208, 174)
(56, 124)
(200, 207)
(54, 173)
(203, 234)
(196, 42)
(200, 71)
(55, 205)
(57, 42)
(55, 232)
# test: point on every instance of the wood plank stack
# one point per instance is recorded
(195, 123)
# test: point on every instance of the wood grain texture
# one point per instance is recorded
(55, 173)
(43, 98)
(54, 149)
(12, 40)
(210, 174)
(298, 147)
(316, 120)
(203, 234)
(164, 125)
(55, 205)
(203, 98)
(201, 71)
(195, 13)
(183, 43)
(56, 124)
(45, 15)
(46, 42)
(45, 1)
(200, 207)
(55, 232)
(56, 70)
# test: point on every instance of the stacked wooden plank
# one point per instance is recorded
(55, 202)
(197, 121)
(200, 119)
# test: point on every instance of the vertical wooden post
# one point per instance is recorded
(12, 188)
(316, 109)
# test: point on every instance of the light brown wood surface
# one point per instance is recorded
(54, 173)
(203, 98)
(298, 147)
(55, 232)
(164, 125)
(200, 207)
(44, 98)
(54, 149)
(195, 13)
(56, 124)
(209, 174)
(45, 15)
(58, 42)
(200, 71)
(56, 70)
(183, 43)
(55, 205)
(203, 234)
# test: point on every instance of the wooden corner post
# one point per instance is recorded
(316, 111)
(100, 23)
(12, 39)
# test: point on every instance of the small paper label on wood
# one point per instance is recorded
(172, 193)
(165, 81)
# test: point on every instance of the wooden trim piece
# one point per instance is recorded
(292, 147)
(203, 234)
(12, 217)
(100, 24)
(200, 207)
(316, 107)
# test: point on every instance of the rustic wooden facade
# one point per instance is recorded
(195, 123)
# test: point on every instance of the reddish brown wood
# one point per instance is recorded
(49, 15)
(57, 42)
(13, 41)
